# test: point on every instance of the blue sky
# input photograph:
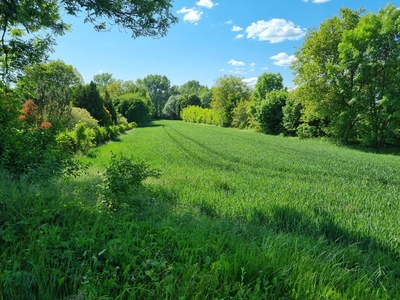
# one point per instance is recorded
(239, 37)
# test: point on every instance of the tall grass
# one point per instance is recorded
(234, 215)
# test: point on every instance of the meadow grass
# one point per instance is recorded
(234, 215)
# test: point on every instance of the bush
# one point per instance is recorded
(81, 115)
(66, 141)
(196, 114)
(124, 175)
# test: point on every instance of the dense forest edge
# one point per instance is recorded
(109, 190)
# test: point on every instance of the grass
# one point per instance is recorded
(234, 215)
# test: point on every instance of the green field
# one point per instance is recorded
(234, 215)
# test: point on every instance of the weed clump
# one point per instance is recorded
(123, 176)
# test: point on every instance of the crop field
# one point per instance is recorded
(234, 215)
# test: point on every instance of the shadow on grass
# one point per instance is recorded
(382, 150)
(376, 263)
(150, 124)
(289, 220)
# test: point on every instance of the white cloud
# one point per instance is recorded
(191, 15)
(250, 81)
(206, 3)
(239, 36)
(274, 31)
(283, 60)
(238, 72)
(229, 22)
(237, 28)
(236, 63)
(265, 68)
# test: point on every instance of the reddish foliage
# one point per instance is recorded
(29, 113)
(45, 125)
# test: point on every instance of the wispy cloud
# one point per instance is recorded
(191, 15)
(206, 3)
(236, 63)
(283, 60)
(237, 28)
(229, 22)
(239, 36)
(274, 31)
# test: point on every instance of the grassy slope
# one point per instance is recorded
(235, 214)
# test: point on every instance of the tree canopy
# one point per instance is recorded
(29, 28)
(227, 92)
(158, 87)
(347, 76)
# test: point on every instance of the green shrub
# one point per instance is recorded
(131, 125)
(196, 114)
(83, 137)
(67, 142)
(124, 175)
(81, 115)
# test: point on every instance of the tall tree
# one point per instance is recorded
(266, 83)
(172, 108)
(88, 97)
(158, 88)
(324, 88)
(191, 87)
(133, 107)
(205, 97)
(270, 114)
(55, 73)
(371, 55)
(103, 79)
(50, 86)
(347, 73)
(227, 92)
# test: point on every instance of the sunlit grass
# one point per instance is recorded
(235, 214)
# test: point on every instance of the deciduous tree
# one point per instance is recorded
(227, 92)
(158, 88)
(324, 88)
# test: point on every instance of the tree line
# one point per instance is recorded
(346, 77)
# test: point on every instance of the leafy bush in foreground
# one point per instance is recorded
(123, 175)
